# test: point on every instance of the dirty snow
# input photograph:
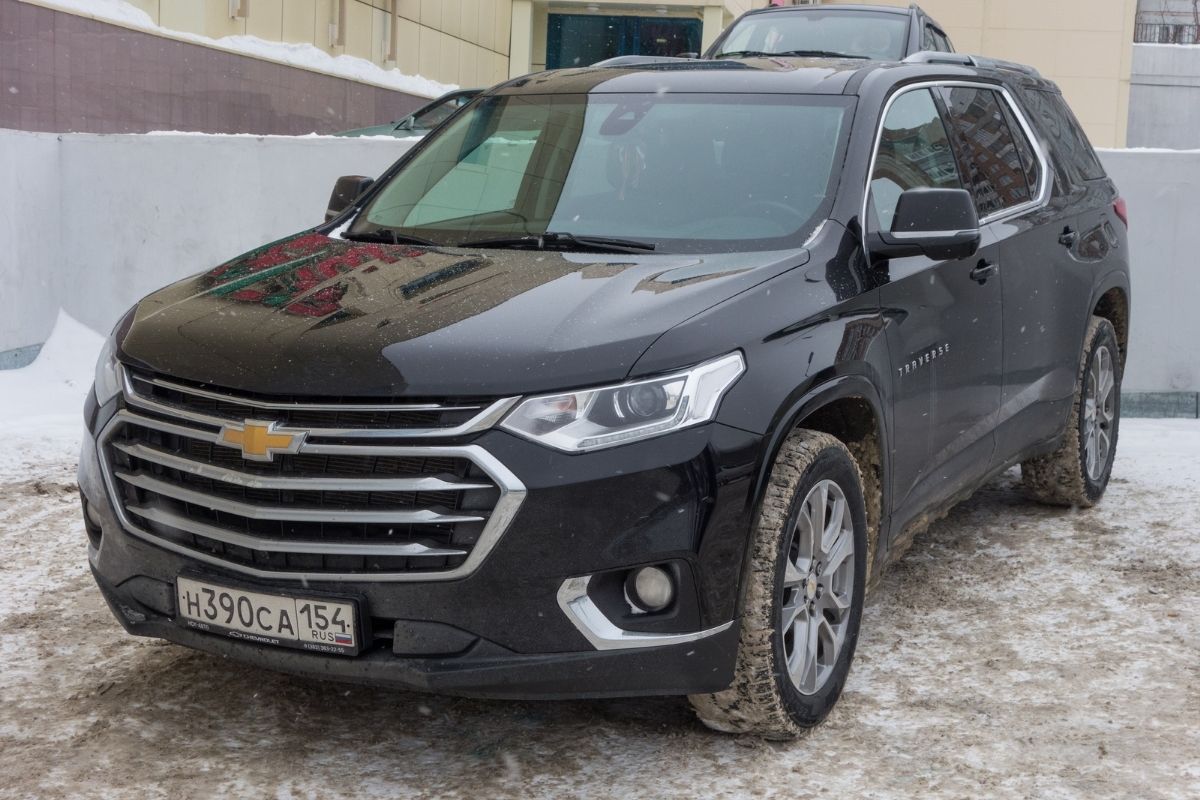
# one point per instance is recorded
(296, 54)
(1017, 651)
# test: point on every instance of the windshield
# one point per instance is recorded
(876, 35)
(685, 173)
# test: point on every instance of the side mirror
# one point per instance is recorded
(347, 189)
(941, 224)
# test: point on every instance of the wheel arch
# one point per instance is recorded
(849, 408)
(1111, 301)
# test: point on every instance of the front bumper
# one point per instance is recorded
(504, 630)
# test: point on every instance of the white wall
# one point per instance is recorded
(29, 236)
(1160, 188)
(91, 223)
(97, 221)
(1164, 96)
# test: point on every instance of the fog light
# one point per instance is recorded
(650, 588)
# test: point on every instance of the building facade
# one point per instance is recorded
(1083, 45)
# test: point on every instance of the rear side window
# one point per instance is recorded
(933, 39)
(993, 167)
(927, 40)
(1054, 118)
(914, 152)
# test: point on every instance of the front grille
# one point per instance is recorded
(335, 508)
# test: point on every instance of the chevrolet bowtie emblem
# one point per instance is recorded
(260, 441)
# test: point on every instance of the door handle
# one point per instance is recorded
(984, 270)
(1068, 237)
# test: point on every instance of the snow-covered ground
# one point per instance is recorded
(1016, 652)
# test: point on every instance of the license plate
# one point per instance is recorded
(307, 623)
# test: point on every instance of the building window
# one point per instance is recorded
(578, 40)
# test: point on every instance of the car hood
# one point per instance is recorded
(315, 315)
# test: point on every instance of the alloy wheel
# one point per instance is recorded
(818, 587)
(1099, 413)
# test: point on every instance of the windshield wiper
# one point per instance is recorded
(789, 54)
(388, 236)
(554, 240)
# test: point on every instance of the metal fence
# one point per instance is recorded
(1166, 33)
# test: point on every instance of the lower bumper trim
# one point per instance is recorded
(604, 635)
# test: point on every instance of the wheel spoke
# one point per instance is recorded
(818, 502)
(832, 601)
(833, 530)
(809, 666)
(793, 576)
(792, 612)
(843, 548)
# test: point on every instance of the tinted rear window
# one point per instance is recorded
(1054, 119)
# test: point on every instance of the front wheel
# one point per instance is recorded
(804, 596)
(1076, 474)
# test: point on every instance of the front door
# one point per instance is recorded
(944, 324)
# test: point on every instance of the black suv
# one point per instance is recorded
(625, 381)
(860, 31)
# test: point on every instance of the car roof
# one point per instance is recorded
(764, 75)
(903, 10)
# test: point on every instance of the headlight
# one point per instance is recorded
(108, 382)
(595, 418)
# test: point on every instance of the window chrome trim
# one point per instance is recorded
(1044, 181)
(485, 419)
(512, 496)
(600, 631)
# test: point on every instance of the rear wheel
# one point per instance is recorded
(804, 595)
(1077, 473)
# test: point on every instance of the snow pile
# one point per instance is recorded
(41, 406)
(303, 55)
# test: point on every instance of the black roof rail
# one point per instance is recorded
(637, 61)
(1011, 66)
(937, 57)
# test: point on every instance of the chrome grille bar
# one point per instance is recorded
(422, 516)
(485, 419)
(408, 549)
(276, 406)
(299, 483)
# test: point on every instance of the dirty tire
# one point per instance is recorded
(762, 699)
(1061, 478)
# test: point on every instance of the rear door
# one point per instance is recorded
(944, 326)
(1043, 285)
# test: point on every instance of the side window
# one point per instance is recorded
(928, 42)
(914, 152)
(943, 41)
(994, 169)
(1033, 169)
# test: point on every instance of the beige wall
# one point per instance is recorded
(1085, 46)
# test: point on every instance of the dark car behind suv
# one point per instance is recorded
(861, 31)
(608, 388)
